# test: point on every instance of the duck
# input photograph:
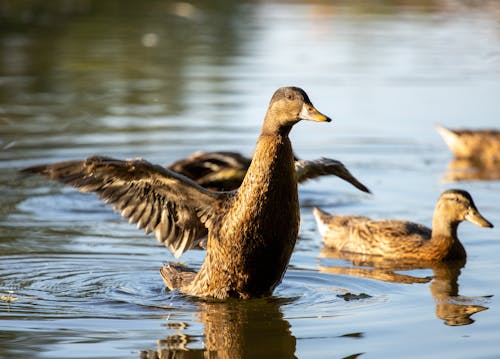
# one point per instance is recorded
(400, 239)
(252, 231)
(217, 170)
(481, 146)
(225, 170)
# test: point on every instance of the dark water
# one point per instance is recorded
(161, 80)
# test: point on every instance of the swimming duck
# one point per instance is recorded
(224, 170)
(403, 239)
(251, 231)
(479, 145)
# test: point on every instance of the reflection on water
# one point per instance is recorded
(471, 170)
(87, 71)
(452, 308)
(232, 329)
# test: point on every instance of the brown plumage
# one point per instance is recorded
(482, 146)
(251, 231)
(403, 239)
(224, 171)
(217, 171)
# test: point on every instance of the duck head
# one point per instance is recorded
(458, 204)
(288, 106)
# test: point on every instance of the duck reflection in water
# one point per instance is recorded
(234, 329)
(476, 154)
(452, 308)
(463, 169)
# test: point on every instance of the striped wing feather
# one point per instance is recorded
(157, 199)
(307, 170)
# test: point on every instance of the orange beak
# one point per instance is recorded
(310, 113)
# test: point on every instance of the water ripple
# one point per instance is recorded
(317, 295)
(81, 285)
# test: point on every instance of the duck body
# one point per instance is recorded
(248, 250)
(251, 231)
(480, 146)
(217, 171)
(404, 239)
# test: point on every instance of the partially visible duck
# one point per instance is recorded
(479, 145)
(251, 231)
(217, 171)
(403, 239)
(224, 170)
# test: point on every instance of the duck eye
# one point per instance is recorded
(289, 97)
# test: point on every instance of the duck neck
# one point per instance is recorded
(270, 127)
(272, 161)
(444, 231)
(273, 148)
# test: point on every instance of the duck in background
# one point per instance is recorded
(224, 170)
(403, 239)
(478, 145)
(476, 154)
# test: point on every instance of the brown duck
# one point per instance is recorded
(224, 170)
(251, 231)
(403, 239)
(482, 146)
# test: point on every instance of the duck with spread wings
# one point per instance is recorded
(251, 231)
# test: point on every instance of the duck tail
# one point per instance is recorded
(176, 275)
(322, 219)
(450, 137)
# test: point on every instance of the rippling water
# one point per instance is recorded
(161, 80)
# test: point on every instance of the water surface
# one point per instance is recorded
(161, 80)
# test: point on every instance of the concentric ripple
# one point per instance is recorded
(80, 285)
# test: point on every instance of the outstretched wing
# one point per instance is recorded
(307, 170)
(157, 199)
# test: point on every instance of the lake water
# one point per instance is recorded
(161, 80)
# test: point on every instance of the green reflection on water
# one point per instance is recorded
(64, 61)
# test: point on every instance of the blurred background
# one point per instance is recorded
(162, 79)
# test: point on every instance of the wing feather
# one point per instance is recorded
(157, 199)
(307, 170)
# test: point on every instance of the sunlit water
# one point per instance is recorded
(162, 80)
